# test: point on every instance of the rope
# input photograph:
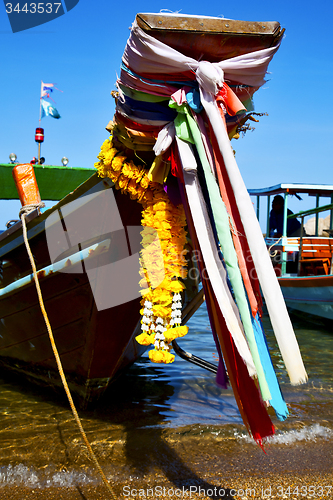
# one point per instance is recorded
(23, 213)
(274, 254)
(26, 209)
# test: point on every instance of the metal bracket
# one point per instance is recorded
(193, 359)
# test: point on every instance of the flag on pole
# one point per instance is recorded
(47, 89)
(48, 110)
(45, 107)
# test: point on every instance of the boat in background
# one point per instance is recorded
(303, 263)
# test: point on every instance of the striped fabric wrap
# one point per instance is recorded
(184, 112)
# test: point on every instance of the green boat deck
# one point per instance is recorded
(54, 182)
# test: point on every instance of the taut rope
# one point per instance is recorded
(23, 212)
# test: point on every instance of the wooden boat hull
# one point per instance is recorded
(94, 345)
(312, 295)
(88, 340)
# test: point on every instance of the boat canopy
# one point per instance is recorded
(310, 189)
(316, 190)
(54, 182)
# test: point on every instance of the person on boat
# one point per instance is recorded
(276, 220)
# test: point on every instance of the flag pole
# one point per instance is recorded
(40, 117)
(40, 102)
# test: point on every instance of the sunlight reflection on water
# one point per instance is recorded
(155, 398)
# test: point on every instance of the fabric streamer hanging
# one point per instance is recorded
(170, 149)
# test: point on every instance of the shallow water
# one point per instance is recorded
(152, 405)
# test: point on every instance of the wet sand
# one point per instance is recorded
(243, 487)
(181, 465)
(147, 436)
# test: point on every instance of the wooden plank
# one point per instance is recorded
(204, 24)
(316, 248)
(214, 39)
(316, 256)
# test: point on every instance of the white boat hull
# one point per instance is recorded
(309, 294)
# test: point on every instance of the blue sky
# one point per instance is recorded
(81, 52)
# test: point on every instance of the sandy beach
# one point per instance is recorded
(242, 486)
(163, 435)
(187, 467)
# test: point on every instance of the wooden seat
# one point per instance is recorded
(316, 256)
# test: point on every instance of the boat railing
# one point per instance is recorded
(306, 256)
(285, 251)
(314, 249)
(286, 243)
(312, 211)
(315, 257)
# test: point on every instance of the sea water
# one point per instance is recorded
(41, 445)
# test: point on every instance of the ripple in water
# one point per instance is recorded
(21, 475)
(178, 401)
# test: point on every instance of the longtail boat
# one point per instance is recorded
(302, 262)
(167, 172)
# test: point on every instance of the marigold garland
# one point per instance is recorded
(163, 260)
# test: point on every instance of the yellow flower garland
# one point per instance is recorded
(161, 313)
